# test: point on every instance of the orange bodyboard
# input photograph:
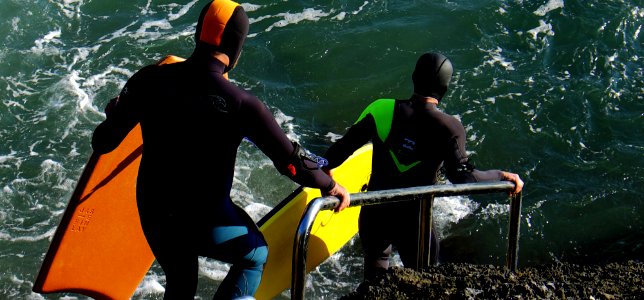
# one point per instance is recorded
(99, 249)
(100, 236)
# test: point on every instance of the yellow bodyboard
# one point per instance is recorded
(329, 233)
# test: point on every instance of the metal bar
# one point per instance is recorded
(512, 257)
(417, 193)
(425, 223)
(300, 246)
(396, 195)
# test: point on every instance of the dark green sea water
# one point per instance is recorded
(549, 89)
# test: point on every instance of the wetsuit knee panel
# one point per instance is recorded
(257, 257)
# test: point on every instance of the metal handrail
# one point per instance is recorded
(300, 246)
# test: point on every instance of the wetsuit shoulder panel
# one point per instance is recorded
(382, 111)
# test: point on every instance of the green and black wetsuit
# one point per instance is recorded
(411, 140)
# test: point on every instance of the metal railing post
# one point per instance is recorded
(426, 223)
(300, 245)
(512, 257)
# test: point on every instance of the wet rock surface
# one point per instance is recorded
(467, 281)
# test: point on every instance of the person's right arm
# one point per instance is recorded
(289, 158)
(459, 170)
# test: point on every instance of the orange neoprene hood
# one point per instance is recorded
(223, 26)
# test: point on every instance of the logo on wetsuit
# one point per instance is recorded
(409, 144)
(217, 102)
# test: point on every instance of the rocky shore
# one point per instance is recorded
(466, 281)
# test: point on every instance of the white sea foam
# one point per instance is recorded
(53, 174)
(241, 191)
(28, 238)
(548, 7)
(73, 5)
(333, 137)
(18, 89)
(152, 30)
(213, 269)
(116, 34)
(325, 277)
(544, 28)
(70, 8)
(637, 32)
(341, 15)
(14, 23)
(364, 4)
(450, 210)
(48, 44)
(8, 158)
(249, 7)
(496, 57)
(82, 54)
(112, 74)
(72, 81)
(494, 210)
(308, 14)
(184, 10)
(50, 166)
(286, 122)
(257, 210)
(150, 285)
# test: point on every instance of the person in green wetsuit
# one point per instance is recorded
(412, 139)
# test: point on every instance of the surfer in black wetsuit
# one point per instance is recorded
(192, 121)
(411, 139)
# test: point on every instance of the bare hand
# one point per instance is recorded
(341, 193)
(518, 183)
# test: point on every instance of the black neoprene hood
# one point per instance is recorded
(432, 75)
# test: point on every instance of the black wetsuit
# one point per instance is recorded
(411, 141)
(193, 120)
